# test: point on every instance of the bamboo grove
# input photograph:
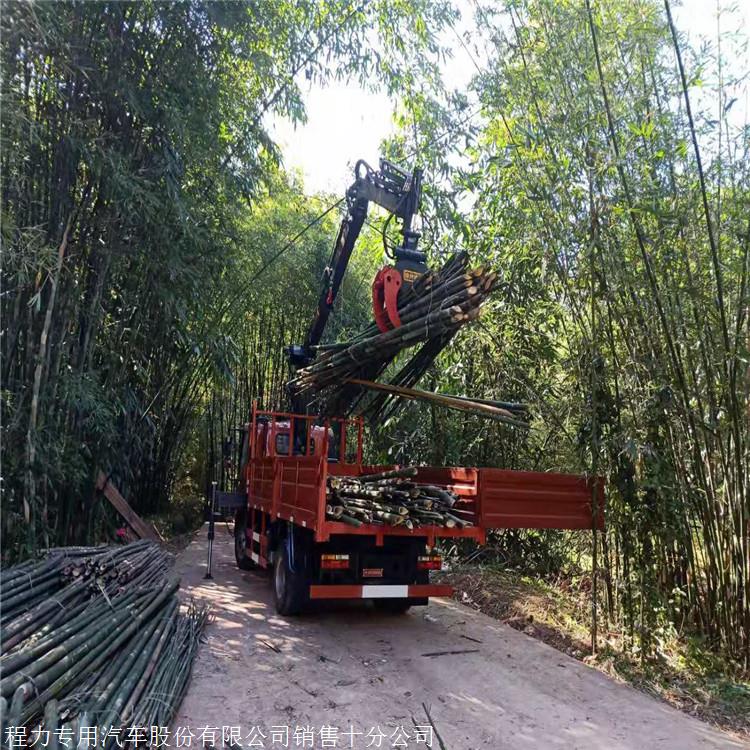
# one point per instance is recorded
(595, 163)
(136, 171)
(610, 186)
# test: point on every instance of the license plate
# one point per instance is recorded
(372, 573)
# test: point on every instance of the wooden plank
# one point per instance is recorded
(120, 504)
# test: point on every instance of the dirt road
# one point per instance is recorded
(348, 670)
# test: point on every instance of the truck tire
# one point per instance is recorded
(289, 586)
(244, 562)
(392, 606)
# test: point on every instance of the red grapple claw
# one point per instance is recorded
(385, 291)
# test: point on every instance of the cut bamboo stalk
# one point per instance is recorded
(501, 415)
(407, 471)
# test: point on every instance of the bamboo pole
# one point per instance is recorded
(493, 412)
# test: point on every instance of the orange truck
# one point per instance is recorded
(283, 524)
(281, 520)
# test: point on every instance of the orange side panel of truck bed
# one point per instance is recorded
(293, 489)
(537, 500)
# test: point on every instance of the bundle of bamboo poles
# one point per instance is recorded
(111, 568)
(106, 646)
(391, 498)
(431, 311)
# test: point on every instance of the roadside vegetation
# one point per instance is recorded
(157, 257)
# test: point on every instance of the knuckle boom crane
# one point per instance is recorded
(331, 526)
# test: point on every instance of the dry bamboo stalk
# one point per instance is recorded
(501, 415)
(407, 471)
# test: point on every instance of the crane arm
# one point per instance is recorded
(399, 193)
(333, 275)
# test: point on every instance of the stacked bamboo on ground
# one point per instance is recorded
(392, 498)
(96, 638)
(113, 568)
(431, 311)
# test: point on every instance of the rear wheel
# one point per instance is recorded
(241, 554)
(392, 606)
(289, 586)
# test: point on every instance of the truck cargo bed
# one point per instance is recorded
(284, 525)
(293, 488)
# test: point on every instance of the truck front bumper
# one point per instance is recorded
(377, 591)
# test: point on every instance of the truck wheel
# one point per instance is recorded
(244, 562)
(392, 606)
(289, 586)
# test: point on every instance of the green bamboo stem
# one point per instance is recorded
(117, 692)
(99, 649)
(13, 662)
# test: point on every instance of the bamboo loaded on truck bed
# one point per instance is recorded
(390, 498)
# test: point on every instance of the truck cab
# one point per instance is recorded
(275, 438)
